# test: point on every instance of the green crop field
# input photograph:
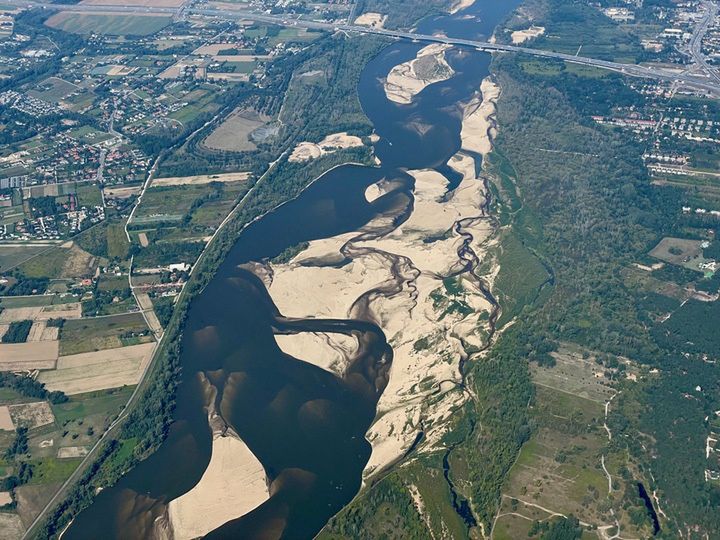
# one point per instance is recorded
(94, 334)
(84, 23)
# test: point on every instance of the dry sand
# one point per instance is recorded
(233, 484)
(408, 79)
(201, 179)
(375, 20)
(28, 356)
(306, 151)
(478, 130)
(423, 334)
(460, 5)
(329, 351)
(521, 36)
(87, 372)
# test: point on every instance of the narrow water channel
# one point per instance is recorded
(306, 425)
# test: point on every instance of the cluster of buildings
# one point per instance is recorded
(27, 104)
(53, 227)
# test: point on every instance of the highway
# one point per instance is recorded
(697, 37)
(707, 81)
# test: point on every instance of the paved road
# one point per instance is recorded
(707, 81)
(697, 37)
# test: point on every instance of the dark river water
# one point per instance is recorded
(306, 426)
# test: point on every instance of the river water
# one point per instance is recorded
(304, 424)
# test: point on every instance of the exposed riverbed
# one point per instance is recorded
(294, 372)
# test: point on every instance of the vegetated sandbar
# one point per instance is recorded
(439, 307)
(408, 79)
(427, 320)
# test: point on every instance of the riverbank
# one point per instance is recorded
(478, 127)
(408, 79)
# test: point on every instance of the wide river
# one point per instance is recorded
(306, 425)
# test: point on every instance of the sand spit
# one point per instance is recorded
(306, 151)
(233, 485)
(408, 79)
(521, 36)
(435, 311)
(478, 127)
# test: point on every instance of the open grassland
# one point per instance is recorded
(108, 23)
(233, 135)
(96, 334)
(679, 251)
(83, 406)
(12, 255)
(89, 372)
(576, 375)
(60, 262)
(171, 215)
(559, 468)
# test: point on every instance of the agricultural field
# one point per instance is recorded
(55, 437)
(93, 371)
(14, 254)
(54, 90)
(108, 24)
(66, 261)
(176, 217)
(100, 333)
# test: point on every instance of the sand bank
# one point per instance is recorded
(424, 321)
(521, 36)
(460, 5)
(233, 484)
(478, 130)
(306, 151)
(408, 79)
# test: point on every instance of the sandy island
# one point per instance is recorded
(432, 321)
(408, 79)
